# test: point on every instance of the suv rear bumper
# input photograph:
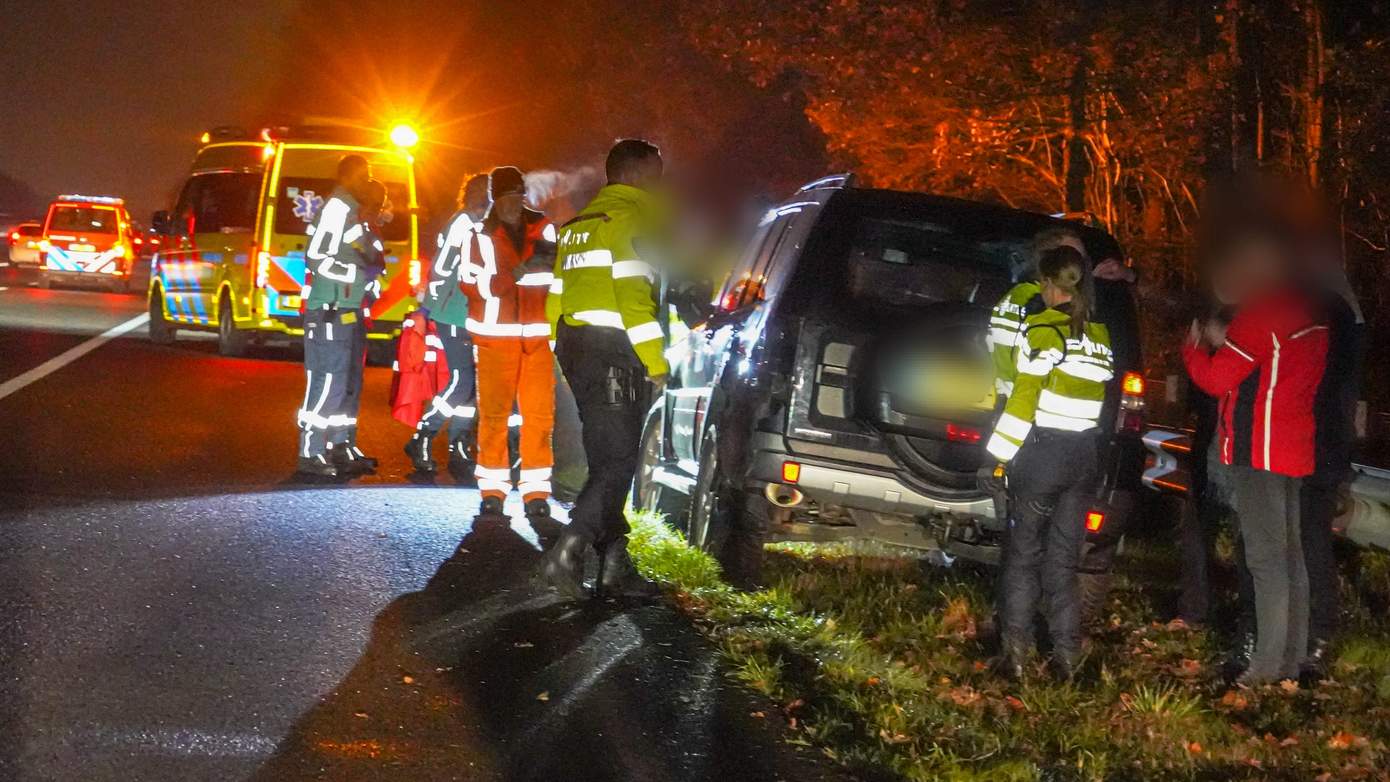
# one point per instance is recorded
(854, 485)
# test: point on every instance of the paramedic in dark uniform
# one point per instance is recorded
(346, 456)
(447, 306)
(332, 316)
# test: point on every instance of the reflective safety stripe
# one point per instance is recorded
(1010, 324)
(535, 330)
(492, 473)
(1001, 448)
(447, 410)
(1066, 423)
(431, 340)
(313, 420)
(548, 232)
(1041, 364)
(1085, 371)
(1014, 427)
(488, 484)
(493, 329)
(431, 355)
(623, 269)
(1003, 337)
(588, 259)
(353, 234)
(533, 487)
(557, 285)
(536, 279)
(1003, 387)
(534, 474)
(1054, 402)
(610, 318)
(645, 332)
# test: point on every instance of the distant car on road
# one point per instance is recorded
(24, 244)
(842, 388)
(87, 240)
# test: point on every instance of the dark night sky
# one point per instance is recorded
(109, 96)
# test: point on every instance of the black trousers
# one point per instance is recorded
(326, 415)
(610, 389)
(1051, 483)
(1203, 513)
(455, 405)
(1319, 501)
(352, 399)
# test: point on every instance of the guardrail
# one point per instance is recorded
(1366, 520)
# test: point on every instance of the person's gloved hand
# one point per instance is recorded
(992, 478)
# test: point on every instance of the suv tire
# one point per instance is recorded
(652, 497)
(231, 341)
(162, 332)
(723, 523)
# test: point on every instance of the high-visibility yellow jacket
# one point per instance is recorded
(601, 280)
(1006, 329)
(1060, 382)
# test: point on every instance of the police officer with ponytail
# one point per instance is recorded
(1046, 445)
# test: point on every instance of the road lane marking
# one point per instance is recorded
(70, 355)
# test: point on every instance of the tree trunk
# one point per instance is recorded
(1078, 165)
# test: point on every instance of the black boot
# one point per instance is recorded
(1239, 658)
(370, 461)
(318, 466)
(538, 509)
(562, 567)
(1314, 667)
(350, 461)
(742, 556)
(418, 449)
(461, 462)
(618, 577)
(492, 506)
(1012, 663)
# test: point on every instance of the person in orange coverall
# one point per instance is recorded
(507, 274)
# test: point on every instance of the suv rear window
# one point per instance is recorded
(907, 263)
(83, 219)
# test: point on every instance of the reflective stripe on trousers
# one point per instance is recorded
(520, 373)
(324, 415)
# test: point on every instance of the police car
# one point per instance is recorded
(87, 240)
(231, 252)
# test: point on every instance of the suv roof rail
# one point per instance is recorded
(832, 182)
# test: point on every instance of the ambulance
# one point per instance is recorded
(87, 240)
(231, 255)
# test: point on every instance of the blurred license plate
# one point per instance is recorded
(956, 388)
(82, 248)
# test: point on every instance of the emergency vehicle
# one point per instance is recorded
(231, 257)
(87, 240)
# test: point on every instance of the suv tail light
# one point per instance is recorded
(1131, 413)
(1094, 520)
(791, 472)
(14, 237)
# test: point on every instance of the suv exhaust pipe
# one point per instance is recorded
(783, 496)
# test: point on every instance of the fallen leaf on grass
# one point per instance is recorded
(893, 738)
(408, 679)
(873, 681)
(964, 695)
(757, 714)
(1194, 747)
(1189, 668)
(1234, 701)
(1015, 703)
(1345, 740)
(1289, 685)
(361, 715)
(980, 666)
(545, 696)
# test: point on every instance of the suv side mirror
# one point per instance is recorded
(161, 223)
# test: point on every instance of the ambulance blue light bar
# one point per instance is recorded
(81, 199)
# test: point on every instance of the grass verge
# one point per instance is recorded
(873, 657)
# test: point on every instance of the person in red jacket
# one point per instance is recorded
(1265, 371)
(506, 273)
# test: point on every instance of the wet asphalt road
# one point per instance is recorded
(175, 606)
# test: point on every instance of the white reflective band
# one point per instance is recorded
(1001, 448)
(312, 420)
(608, 318)
(1007, 323)
(432, 340)
(1085, 371)
(513, 420)
(488, 484)
(536, 279)
(1054, 402)
(557, 285)
(588, 259)
(535, 330)
(533, 487)
(1066, 423)
(646, 332)
(492, 473)
(1003, 387)
(534, 474)
(548, 232)
(442, 406)
(1013, 426)
(1233, 346)
(1003, 337)
(431, 355)
(494, 329)
(353, 234)
(623, 269)
(1040, 366)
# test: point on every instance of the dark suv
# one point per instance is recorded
(841, 389)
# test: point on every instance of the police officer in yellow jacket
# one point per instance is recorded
(609, 342)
